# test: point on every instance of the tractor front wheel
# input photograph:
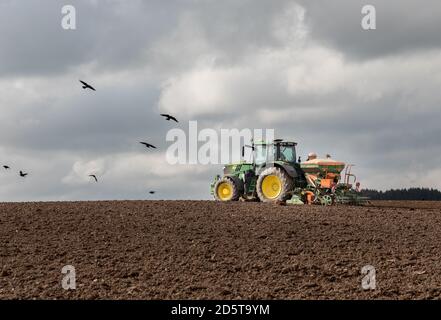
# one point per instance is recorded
(228, 189)
(274, 185)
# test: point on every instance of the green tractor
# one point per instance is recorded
(276, 175)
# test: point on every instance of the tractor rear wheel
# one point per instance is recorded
(274, 185)
(228, 189)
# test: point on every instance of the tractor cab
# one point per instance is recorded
(277, 151)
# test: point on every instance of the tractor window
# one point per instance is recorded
(260, 157)
(288, 153)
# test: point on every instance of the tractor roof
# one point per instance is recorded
(275, 141)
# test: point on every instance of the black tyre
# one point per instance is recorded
(228, 189)
(274, 185)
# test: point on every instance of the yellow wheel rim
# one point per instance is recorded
(224, 191)
(271, 187)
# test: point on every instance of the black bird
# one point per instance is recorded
(93, 176)
(152, 192)
(6, 167)
(87, 86)
(23, 174)
(169, 117)
(148, 145)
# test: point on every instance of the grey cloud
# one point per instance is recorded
(402, 26)
(112, 34)
(107, 120)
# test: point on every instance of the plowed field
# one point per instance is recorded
(204, 249)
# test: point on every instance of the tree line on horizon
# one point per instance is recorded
(404, 194)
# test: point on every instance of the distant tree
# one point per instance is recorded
(404, 194)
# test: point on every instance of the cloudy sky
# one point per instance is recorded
(305, 68)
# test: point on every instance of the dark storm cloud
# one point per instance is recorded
(111, 33)
(235, 29)
(114, 34)
(114, 118)
(402, 26)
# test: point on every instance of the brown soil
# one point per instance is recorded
(205, 249)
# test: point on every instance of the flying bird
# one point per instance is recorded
(6, 167)
(93, 176)
(23, 174)
(169, 117)
(87, 86)
(152, 192)
(148, 145)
